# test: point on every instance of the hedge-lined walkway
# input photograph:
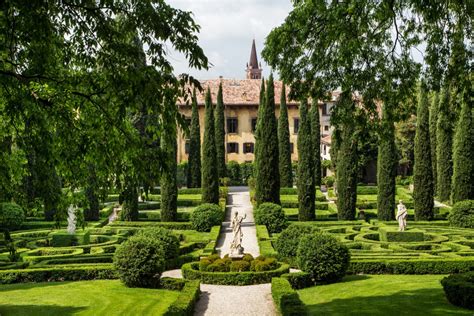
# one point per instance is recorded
(237, 300)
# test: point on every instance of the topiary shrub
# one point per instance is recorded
(462, 214)
(272, 216)
(140, 261)
(11, 215)
(459, 289)
(287, 242)
(205, 216)
(322, 256)
(262, 263)
(168, 239)
(220, 265)
(240, 266)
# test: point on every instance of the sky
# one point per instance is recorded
(227, 30)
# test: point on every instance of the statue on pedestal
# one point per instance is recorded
(402, 215)
(236, 248)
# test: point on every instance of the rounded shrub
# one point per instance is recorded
(11, 215)
(168, 239)
(220, 265)
(322, 256)
(287, 242)
(140, 261)
(462, 214)
(240, 266)
(272, 216)
(205, 216)
(459, 289)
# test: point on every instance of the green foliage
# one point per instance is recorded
(210, 176)
(167, 238)
(459, 289)
(325, 258)
(305, 181)
(193, 179)
(462, 214)
(11, 216)
(289, 239)
(240, 266)
(316, 137)
(140, 261)
(266, 164)
(169, 186)
(299, 280)
(392, 235)
(284, 160)
(422, 177)
(205, 216)
(130, 203)
(272, 216)
(220, 134)
(386, 166)
(184, 304)
(433, 121)
(444, 142)
(463, 153)
(64, 239)
(286, 299)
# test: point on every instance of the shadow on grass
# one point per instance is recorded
(38, 310)
(28, 286)
(417, 302)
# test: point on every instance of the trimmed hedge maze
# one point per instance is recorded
(378, 247)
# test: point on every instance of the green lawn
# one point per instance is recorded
(381, 295)
(108, 297)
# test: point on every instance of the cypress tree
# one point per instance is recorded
(268, 176)
(386, 167)
(130, 200)
(286, 174)
(316, 136)
(210, 176)
(220, 134)
(346, 160)
(433, 121)
(463, 156)
(169, 185)
(91, 213)
(259, 114)
(305, 181)
(444, 143)
(422, 173)
(194, 160)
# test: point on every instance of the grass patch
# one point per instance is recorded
(83, 298)
(381, 295)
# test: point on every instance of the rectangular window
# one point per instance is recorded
(324, 109)
(232, 125)
(324, 149)
(254, 124)
(232, 148)
(248, 148)
(296, 125)
(186, 147)
(292, 147)
(326, 128)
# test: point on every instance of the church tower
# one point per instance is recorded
(254, 70)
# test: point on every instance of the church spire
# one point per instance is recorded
(254, 70)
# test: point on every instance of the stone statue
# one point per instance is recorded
(402, 215)
(236, 248)
(71, 220)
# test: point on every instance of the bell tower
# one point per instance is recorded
(254, 69)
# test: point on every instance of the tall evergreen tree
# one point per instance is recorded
(316, 136)
(286, 173)
(346, 170)
(463, 156)
(444, 144)
(194, 160)
(305, 182)
(268, 176)
(423, 175)
(220, 134)
(169, 184)
(210, 175)
(386, 166)
(433, 121)
(261, 106)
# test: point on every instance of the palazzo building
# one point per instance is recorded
(241, 100)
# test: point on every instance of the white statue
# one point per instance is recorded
(71, 220)
(236, 248)
(402, 215)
